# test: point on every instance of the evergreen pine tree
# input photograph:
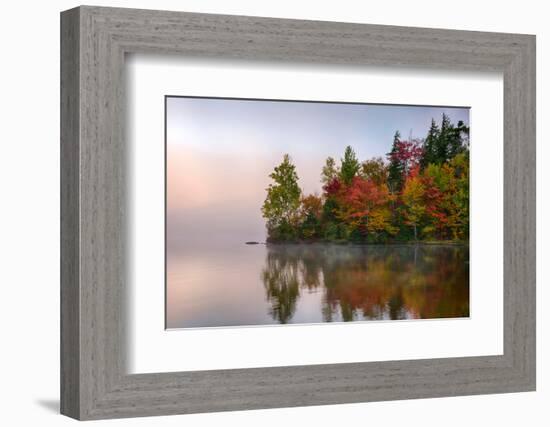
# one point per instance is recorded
(444, 141)
(349, 166)
(395, 168)
(430, 144)
(457, 139)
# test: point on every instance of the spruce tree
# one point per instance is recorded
(430, 144)
(444, 141)
(457, 139)
(349, 166)
(395, 169)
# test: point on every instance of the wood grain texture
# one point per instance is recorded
(95, 383)
(70, 292)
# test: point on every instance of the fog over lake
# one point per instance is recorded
(279, 284)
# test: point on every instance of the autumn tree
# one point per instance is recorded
(281, 205)
(413, 201)
(446, 198)
(435, 180)
(375, 169)
(365, 208)
(311, 208)
(404, 157)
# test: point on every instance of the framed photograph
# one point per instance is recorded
(261, 213)
(280, 232)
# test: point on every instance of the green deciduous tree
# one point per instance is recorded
(282, 202)
(330, 171)
(460, 196)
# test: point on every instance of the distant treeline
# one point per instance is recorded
(420, 193)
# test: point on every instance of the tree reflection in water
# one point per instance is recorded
(369, 282)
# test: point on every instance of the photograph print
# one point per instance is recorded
(307, 212)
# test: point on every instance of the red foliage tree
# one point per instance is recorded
(433, 199)
(333, 187)
(407, 155)
(365, 206)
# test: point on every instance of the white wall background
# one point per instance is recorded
(29, 214)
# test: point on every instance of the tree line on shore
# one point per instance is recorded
(420, 192)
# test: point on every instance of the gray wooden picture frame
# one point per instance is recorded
(94, 381)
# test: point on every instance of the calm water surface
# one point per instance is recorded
(275, 284)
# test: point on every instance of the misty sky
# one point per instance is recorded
(220, 153)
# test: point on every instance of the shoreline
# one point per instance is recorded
(348, 243)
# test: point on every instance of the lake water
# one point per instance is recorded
(240, 284)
